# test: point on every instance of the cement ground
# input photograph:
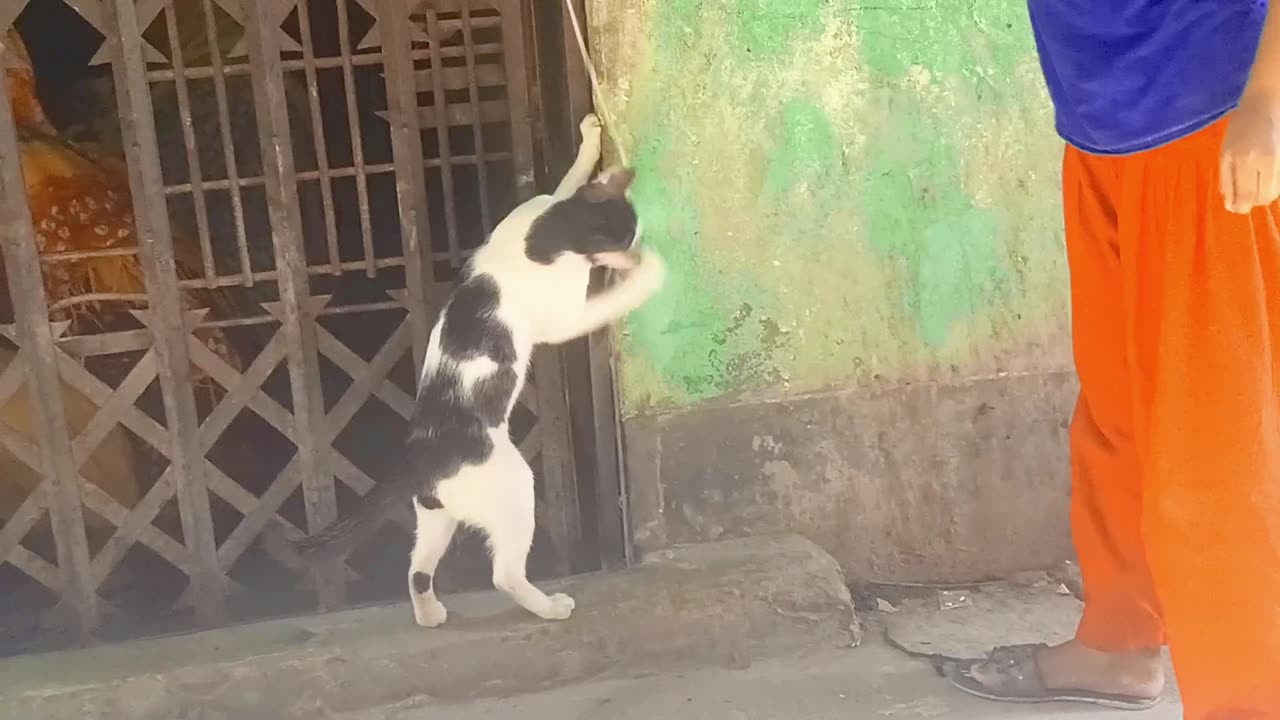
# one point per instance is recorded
(871, 681)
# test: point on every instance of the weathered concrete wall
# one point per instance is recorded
(852, 198)
(942, 483)
(847, 194)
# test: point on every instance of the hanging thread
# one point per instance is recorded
(606, 118)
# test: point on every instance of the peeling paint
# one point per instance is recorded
(845, 194)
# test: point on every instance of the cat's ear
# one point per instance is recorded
(612, 184)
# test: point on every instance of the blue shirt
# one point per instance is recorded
(1129, 75)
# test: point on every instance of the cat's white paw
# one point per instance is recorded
(429, 613)
(591, 128)
(650, 273)
(559, 607)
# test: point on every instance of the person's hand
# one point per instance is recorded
(1250, 171)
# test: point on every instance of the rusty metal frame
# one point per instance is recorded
(611, 511)
(298, 322)
(155, 250)
(436, 49)
(565, 91)
(61, 487)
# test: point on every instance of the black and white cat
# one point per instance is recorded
(525, 286)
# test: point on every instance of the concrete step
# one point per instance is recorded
(725, 603)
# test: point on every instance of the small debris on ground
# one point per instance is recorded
(885, 606)
(959, 624)
(952, 599)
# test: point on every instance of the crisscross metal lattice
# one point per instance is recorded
(305, 186)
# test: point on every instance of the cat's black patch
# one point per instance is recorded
(421, 583)
(491, 396)
(448, 431)
(471, 329)
(428, 501)
(597, 219)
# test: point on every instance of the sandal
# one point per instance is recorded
(1010, 674)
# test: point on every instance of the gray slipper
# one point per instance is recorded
(1010, 674)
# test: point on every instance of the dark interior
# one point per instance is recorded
(143, 587)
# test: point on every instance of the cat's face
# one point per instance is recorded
(597, 225)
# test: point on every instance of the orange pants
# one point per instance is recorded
(1176, 438)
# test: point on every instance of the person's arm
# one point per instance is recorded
(1250, 172)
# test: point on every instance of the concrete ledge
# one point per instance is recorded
(726, 602)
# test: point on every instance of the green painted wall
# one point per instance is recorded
(846, 194)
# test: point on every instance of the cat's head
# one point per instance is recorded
(597, 225)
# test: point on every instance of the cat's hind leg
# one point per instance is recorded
(435, 528)
(498, 498)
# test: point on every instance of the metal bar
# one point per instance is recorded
(194, 175)
(131, 524)
(459, 78)
(228, 144)
(317, 135)
(357, 142)
(473, 93)
(379, 168)
(406, 151)
(155, 246)
(233, 280)
(441, 104)
(70, 255)
(105, 344)
(579, 85)
(612, 513)
(26, 290)
(298, 321)
(442, 118)
(368, 378)
(133, 298)
(375, 169)
(292, 65)
(558, 477)
(514, 55)
(612, 516)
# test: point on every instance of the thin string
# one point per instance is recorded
(606, 118)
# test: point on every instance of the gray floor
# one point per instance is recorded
(873, 681)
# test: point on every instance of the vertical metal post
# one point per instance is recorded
(406, 151)
(612, 514)
(515, 59)
(262, 40)
(559, 479)
(477, 130)
(611, 511)
(155, 252)
(440, 102)
(31, 313)
(579, 85)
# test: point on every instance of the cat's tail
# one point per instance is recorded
(354, 528)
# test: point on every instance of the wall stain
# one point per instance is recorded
(844, 194)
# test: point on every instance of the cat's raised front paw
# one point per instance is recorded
(650, 272)
(559, 607)
(590, 128)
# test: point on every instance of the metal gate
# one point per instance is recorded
(238, 281)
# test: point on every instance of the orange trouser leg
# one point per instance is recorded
(1199, 299)
(1121, 612)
